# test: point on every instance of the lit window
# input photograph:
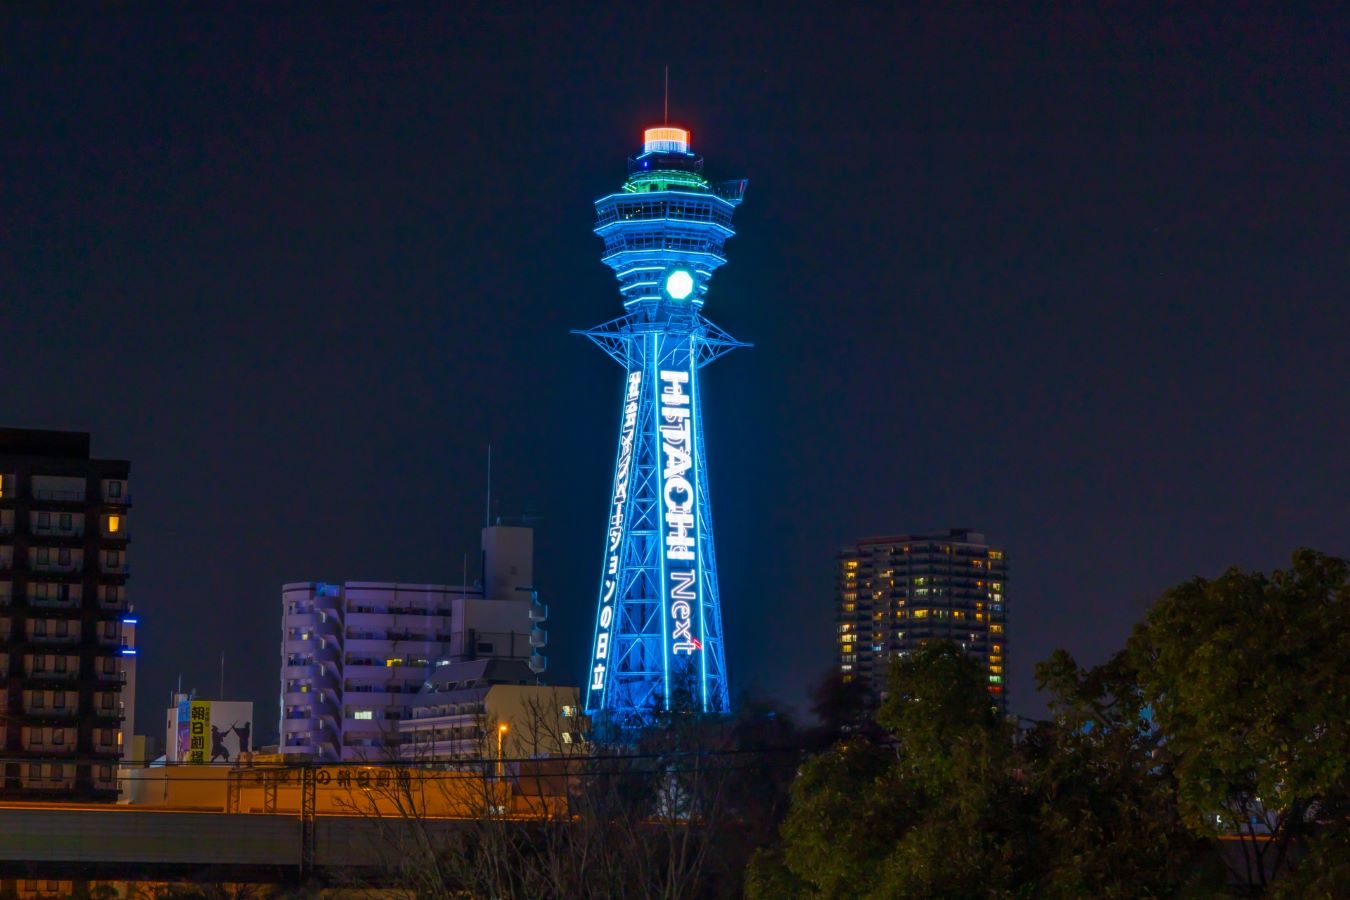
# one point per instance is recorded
(364, 714)
(920, 613)
(114, 524)
(996, 679)
(996, 628)
(997, 670)
(569, 711)
(567, 737)
(394, 661)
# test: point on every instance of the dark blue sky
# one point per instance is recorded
(1078, 280)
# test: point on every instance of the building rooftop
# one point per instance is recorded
(478, 673)
(37, 442)
(959, 535)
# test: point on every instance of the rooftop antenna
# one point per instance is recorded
(487, 508)
(666, 114)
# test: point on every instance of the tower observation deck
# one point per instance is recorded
(658, 630)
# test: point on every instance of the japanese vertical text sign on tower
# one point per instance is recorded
(658, 628)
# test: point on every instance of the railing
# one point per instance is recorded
(61, 496)
(54, 638)
(58, 531)
(63, 712)
(53, 675)
(53, 602)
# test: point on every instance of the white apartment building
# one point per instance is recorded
(354, 655)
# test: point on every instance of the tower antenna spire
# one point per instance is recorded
(665, 115)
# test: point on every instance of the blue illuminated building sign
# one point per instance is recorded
(658, 632)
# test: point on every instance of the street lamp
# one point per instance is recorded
(501, 733)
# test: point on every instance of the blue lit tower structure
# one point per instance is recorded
(658, 629)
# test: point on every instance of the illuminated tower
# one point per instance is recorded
(658, 629)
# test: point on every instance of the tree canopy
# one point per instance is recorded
(1210, 755)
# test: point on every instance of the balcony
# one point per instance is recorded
(299, 669)
(69, 674)
(57, 496)
(67, 602)
(54, 564)
(54, 712)
(55, 639)
(55, 530)
(538, 637)
(538, 612)
(108, 568)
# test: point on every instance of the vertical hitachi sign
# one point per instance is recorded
(678, 503)
(618, 502)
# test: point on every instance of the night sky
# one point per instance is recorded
(1077, 281)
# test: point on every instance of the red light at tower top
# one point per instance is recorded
(665, 139)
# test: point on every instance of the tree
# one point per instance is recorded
(1107, 818)
(935, 811)
(668, 811)
(1247, 676)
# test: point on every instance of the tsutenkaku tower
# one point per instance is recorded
(658, 629)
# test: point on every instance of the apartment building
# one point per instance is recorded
(67, 635)
(490, 708)
(355, 654)
(896, 593)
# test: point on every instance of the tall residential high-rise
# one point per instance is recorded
(658, 628)
(67, 648)
(354, 655)
(896, 593)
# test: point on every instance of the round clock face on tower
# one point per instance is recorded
(679, 284)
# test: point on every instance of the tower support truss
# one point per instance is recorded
(658, 641)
